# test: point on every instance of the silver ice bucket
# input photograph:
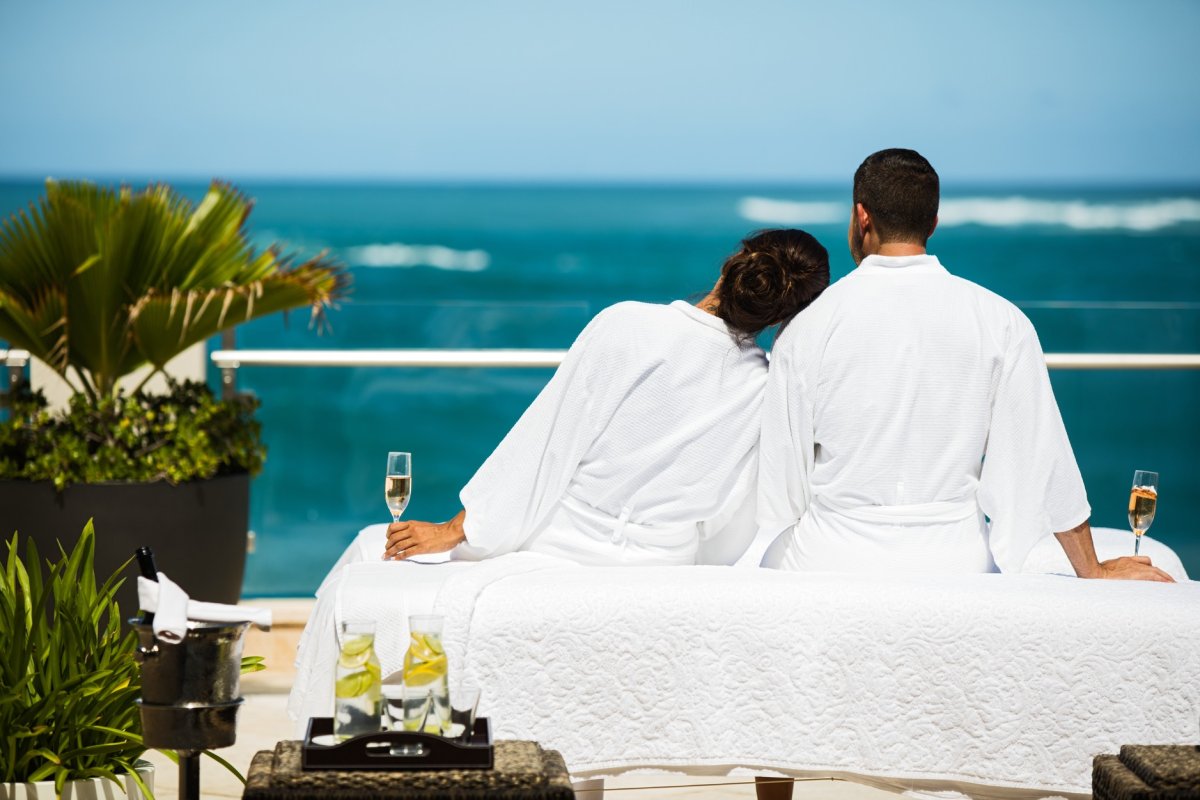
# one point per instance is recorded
(191, 690)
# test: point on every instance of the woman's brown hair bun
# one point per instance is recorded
(773, 277)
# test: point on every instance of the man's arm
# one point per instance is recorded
(1081, 551)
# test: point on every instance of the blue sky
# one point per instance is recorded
(1045, 90)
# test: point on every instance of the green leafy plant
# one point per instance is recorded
(182, 435)
(97, 282)
(68, 679)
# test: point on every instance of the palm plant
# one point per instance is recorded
(97, 282)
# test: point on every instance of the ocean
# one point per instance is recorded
(465, 266)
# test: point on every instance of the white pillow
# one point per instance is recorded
(1047, 556)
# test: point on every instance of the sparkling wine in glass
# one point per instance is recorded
(1143, 502)
(398, 483)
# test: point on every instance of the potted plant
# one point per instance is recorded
(68, 680)
(97, 282)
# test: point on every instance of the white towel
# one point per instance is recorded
(172, 609)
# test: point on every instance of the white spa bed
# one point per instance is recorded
(991, 685)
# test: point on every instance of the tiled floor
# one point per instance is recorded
(263, 721)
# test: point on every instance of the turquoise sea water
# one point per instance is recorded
(1097, 270)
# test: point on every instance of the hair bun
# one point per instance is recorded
(774, 275)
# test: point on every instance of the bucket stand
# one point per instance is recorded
(190, 693)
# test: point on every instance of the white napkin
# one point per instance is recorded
(172, 609)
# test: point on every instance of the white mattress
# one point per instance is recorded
(967, 682)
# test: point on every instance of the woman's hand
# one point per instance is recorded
(409, 538)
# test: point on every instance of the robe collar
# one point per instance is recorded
(891, 265)
(701, 316)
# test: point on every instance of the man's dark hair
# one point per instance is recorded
(899, 189)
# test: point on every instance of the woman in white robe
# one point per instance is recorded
(642, 449)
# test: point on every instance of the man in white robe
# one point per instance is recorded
(908, 407)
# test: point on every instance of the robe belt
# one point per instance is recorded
(623, 530)
(916, 514)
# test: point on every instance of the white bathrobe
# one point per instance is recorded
(642, 449)
(903, 406)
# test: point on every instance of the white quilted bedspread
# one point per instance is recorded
(981, 680)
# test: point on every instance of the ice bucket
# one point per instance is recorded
(190, 690)
(203, 669)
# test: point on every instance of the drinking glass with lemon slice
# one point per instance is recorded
(426, 690)
(356, 685)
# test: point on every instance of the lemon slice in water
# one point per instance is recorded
(419, 674)
(354, 684)
(355, 652)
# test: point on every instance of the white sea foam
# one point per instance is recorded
(769, 211)
(1001, 212)
(398, 254)
(1006, 212)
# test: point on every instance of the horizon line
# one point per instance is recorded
(430, 181)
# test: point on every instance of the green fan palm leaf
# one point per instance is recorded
(105, 281)
(163, 325)
(38, 324)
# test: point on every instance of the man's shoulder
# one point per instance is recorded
(823, 310)
(990, 302)
(984, 293)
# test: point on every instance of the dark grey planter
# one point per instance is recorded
(196, 529)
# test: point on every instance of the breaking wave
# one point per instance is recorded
(790, 212)
(998, 212)
(398, 254)
(1007, 212)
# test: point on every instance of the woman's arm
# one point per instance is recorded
(409, 538)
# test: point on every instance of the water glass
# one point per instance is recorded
(464, 700)
(407, 706)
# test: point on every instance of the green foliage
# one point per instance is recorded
(68, 679)
(253, 664)
(184, 435)
(97, 282)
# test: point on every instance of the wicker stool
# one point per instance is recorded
(1148, 772)
(523, 771)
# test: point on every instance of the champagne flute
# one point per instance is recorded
(398, 483)
(1143, 502)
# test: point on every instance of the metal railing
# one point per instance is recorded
(229, 361)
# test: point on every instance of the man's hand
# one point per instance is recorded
(1133, 568)
(1081, 551)
(410, 538)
